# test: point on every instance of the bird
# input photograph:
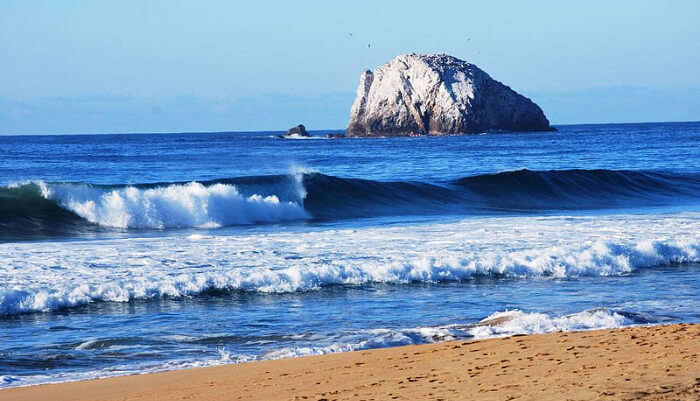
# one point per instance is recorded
(369, 45)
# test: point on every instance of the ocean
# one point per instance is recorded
(132, 253)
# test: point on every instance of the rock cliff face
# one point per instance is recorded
(437, 94)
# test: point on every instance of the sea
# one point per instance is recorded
(132, 253)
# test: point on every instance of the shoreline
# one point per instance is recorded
(641, 362)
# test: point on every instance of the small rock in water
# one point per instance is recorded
(299, 130)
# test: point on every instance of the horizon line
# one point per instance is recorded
(333, 130)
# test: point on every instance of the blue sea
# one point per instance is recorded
(123, 254)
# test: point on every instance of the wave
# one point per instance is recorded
(97, 280)
(48, 209)
(499, 324)
(514, 322)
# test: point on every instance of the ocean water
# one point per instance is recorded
(125, 254)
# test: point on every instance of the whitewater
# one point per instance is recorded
(188, 265)
(123, 254)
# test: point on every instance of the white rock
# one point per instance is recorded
(437, 94)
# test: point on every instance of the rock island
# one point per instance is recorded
(437, 94)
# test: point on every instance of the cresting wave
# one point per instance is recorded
(55, 209)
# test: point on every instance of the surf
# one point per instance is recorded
(40, 208)
(525, 248)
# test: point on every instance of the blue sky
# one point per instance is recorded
(154, 66)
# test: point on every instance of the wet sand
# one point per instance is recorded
(640, 363)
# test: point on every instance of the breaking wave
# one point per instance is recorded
(54, 209)
(46, 287)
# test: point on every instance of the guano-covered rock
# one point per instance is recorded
(437, 94)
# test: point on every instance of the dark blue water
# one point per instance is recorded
(132, 159)
(130, 253)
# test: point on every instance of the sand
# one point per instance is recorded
(640, 363)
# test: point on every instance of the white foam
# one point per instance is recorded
(518, 322)
(301, 137)
(87, 344)
(222, 357)
(177, 205)
(46, 276)
(506, 323)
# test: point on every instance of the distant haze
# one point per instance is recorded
(165, 66)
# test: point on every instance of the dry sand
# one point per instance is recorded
(641, 363)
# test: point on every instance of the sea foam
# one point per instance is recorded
(48, 276)
(499, 324)
(519, 322)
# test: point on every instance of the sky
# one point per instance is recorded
(171, 66)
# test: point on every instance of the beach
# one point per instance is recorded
(633, 363)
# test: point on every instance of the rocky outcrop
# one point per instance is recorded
(437, 94)
(299, 130)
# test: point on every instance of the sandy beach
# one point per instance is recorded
(639, 363)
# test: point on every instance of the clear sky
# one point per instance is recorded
(157, 65)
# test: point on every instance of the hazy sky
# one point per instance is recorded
(82, 65)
